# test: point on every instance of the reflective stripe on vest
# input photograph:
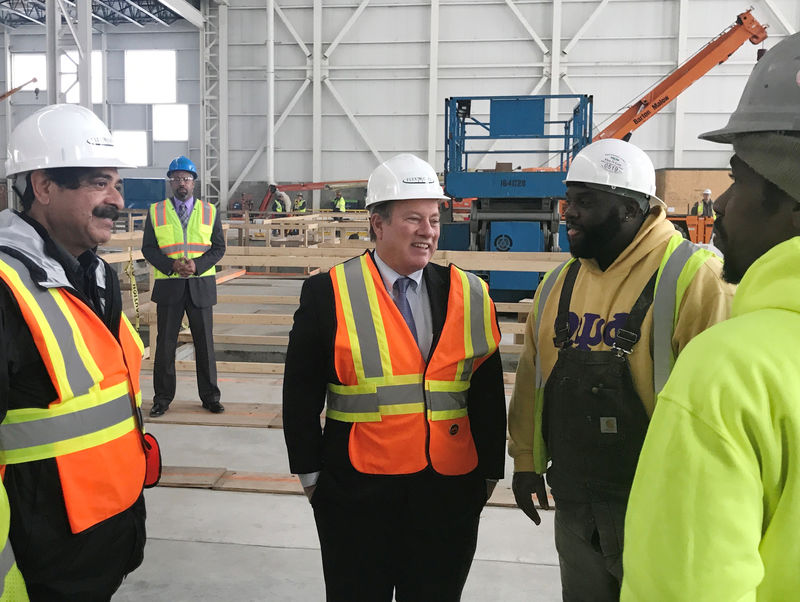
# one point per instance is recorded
(671, 281)
(174, 241)
(90, 428)
(666, 304)
(7, 561)
(12, 585)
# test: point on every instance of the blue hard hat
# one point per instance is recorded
(182, 164)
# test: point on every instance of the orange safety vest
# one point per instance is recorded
(91, 427)
(407, 414)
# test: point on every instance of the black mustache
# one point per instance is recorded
(106, 212)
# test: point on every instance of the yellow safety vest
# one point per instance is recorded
(174, 241)
(12, 585)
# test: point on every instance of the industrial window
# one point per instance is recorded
(25, 66)
(171, 122)
(69, 76)
(150, 76)
(132, 146)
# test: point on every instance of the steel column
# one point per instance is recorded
(433, 84)
(270, 118)
(84, 42)
(222, 74)
(53, 21)
(555, 68)
(678, 125)
(316, 87)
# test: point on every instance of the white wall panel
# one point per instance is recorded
(380, 70)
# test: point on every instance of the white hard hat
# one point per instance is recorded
(61, 136)
(403, 178)
(771, 96)
(707, 191)
(617, 165)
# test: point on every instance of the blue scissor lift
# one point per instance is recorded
(513, 210)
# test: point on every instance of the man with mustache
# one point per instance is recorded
(599, 344)
(183, 241)
(71, 437)
(403, 355)
(714, 511)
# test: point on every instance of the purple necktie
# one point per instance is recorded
(183, 214)
(401, 286)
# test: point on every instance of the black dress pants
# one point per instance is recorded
(412, 536)
(169, 318)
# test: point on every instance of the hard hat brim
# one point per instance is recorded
(723, 135)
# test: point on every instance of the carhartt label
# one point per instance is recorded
(608, 424)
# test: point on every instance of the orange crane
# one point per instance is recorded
(714, 53)
(18, 88)
(717, 51)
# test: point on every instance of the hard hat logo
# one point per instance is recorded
(100, 141)
(613, 163)
(418, 180)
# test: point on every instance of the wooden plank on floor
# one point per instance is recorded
(263, 482)
(229, 274)
(190, 476)
(259, 482)
(234, 367)
(254, 415)
(260, 368)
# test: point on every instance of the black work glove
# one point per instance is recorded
(524, 485)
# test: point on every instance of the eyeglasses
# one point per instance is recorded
(182, 180)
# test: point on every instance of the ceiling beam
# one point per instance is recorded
(186, 11)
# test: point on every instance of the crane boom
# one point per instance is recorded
(714, 53)
(17, 89)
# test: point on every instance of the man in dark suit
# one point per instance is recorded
(415, 424)
(183, 240)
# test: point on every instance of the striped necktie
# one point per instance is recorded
(183, 214)
(401, 286)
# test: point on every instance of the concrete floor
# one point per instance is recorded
(222, 545)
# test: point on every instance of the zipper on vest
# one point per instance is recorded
(426, 401)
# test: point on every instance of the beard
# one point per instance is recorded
(594, 239)
(732, 272)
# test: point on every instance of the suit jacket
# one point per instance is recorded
(310, 367)
(201, 291)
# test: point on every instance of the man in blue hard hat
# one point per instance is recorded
(183, 240)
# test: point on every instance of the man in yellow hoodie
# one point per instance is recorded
(715, 507)
(599, 344)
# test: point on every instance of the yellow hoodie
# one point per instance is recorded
(714, 511)
(601, 301)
